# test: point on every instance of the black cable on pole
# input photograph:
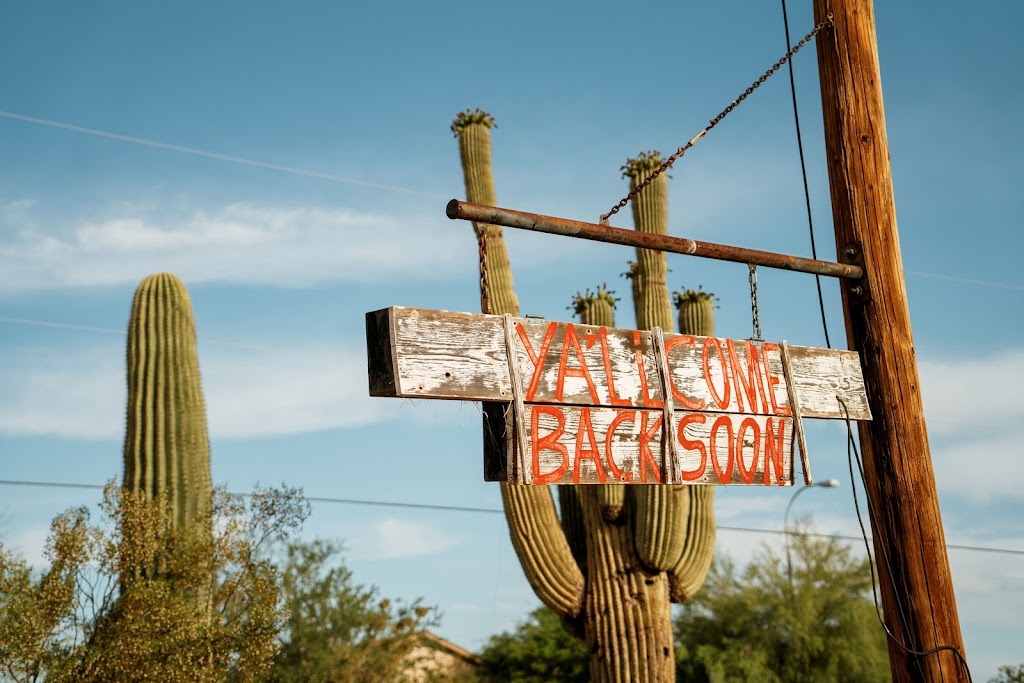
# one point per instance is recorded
(803, 170)
(851, 453)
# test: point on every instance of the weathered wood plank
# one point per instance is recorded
(584, 445)
(440, 354)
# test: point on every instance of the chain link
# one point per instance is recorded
(485, 293)
(754, 313)
(827, 21)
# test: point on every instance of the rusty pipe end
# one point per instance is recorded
(452, 210)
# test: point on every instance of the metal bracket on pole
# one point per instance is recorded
(857, 291)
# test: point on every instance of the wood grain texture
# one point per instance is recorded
(446, 355)
(917, 589)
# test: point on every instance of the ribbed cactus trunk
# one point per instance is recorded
(166, 445)
(628, 623)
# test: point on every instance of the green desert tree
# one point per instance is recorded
(338, 630)
(759, 625)
(76, 622)
(539, 650)
(1009, 674)
(613, 563)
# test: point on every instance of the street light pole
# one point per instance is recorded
(827, 484)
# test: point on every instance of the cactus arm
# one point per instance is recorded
(689, 572)
(473, 130)
(571, 514)
(534, 527)
(542, 547)
(660, 517)
(696, 317)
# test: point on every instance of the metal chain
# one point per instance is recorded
(754, 313)
(485, 295)
(827, 21)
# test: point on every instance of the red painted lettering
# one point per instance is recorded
(549, 442)
(747, 475)
(774, 445)
(536, 358)
(586, 431)
(645, 394)
(688, 403)
(773, 380)
(615, 400)
(572, 340)
(721, 400)
(609, 438)
(723, 476)
(693, 445)
(646, 456)
(746, 385)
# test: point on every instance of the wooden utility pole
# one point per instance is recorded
(910, 547)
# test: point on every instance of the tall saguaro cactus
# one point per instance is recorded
(166, 445)
(613, 563)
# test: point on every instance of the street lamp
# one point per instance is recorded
(827, 484)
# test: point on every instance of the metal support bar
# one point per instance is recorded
(634, 238)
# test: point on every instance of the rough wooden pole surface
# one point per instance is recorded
(917, 589)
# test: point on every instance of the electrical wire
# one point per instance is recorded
(851, 453)
(217, 155)
(498, 511)
(803, 171)
(112, 330)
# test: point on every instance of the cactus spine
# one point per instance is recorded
(655, 548)
(166, 445)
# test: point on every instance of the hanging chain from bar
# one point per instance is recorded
(827, 21)
(754, 312)
(485, 294)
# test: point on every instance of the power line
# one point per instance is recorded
(112, 330)
(498, 511)
(217, 155)
(967, 281)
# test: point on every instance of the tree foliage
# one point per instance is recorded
(538, 650)
(760, 625)
(338, 630)
(1009, 674)
(101, 612)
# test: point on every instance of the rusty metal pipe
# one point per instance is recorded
(633, 238)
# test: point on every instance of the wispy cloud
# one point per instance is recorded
(393, 538)
(238, 243)
(971, 392)
(249, 392)
(975, 412)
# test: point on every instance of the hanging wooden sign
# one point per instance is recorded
(584, 404)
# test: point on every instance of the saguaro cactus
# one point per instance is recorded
(166, 444)
(640, 546)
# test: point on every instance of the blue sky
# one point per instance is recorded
(281, 266)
